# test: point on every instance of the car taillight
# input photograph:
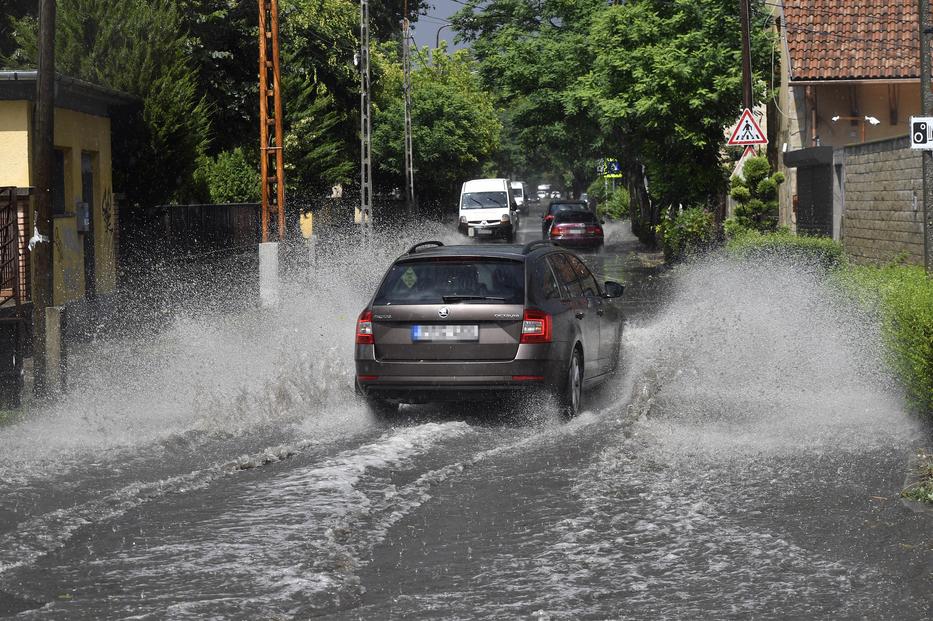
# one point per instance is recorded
(558, 229)
(536, 327)
(594, 230)
(364, 328)
(548, 218)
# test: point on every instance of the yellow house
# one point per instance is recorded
(84, 209)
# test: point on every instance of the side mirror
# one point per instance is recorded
(614, 289)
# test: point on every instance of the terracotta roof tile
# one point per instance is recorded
(852, 39)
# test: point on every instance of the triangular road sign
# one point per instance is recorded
(747, 131)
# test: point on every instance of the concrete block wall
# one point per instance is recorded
(882, 216)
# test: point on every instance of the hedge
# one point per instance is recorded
(808, 251)
(903, 297)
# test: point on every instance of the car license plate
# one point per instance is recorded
(421, 334)
(484, 231)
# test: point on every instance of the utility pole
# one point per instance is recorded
(745, 16)
(366, 174)
(406, 88)
(926, 104)
(42, 243)
(272, 164)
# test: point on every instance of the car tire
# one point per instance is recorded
(570, 396)
(379, 408)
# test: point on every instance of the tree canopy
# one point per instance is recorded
(455, 126)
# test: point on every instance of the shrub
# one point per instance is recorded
(616, 206)
(903, 297)
(756, 196)
(688, 232)
(802, 250)
(228, 177)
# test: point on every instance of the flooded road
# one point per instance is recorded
(746, 463)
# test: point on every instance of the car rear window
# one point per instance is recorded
(575, 216)
(561, 207)
(453, 281)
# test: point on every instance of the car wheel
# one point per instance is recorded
(379, 408)
(570, 398)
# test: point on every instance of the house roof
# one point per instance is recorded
(70, 93)
(852, 39)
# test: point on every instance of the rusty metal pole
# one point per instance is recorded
(264, 119)
(279, 137)
(272, 165)
(42, 242)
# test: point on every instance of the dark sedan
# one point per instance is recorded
(558, 206)
(577, 229)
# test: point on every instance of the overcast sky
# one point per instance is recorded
(425, 30)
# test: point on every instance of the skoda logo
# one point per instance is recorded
(443, 312)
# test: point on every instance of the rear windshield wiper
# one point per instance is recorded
(464, 298)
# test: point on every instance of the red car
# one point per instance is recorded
(577, 229)
(556, 207)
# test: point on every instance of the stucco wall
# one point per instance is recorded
(75, 133)
(14, 144)
(882, 210)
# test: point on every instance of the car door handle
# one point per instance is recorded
(580, 315)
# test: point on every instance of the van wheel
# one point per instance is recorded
(379, 408)
(570, 397)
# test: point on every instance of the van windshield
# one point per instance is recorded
(484, 200)
(453, 282)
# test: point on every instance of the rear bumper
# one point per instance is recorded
(535, 367)
(578, 242)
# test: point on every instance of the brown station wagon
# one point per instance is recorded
(470, 323)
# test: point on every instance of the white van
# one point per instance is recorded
(487, 209)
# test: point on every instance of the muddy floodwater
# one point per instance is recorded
(746, 463)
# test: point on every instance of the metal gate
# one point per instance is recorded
(12, 298)
(814, 195)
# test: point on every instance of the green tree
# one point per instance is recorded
(530, 57)
(455, 127)
(138, 47)
(756, 195)
(228, 177)
(666, 80)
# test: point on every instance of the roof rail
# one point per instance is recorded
(530, 246)
(416, 247)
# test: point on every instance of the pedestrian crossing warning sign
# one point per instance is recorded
(747, 132)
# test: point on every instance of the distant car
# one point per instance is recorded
(474, 323)
(555, 194)
(556, 207)
(577, 229)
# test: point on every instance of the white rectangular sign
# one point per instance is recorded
(921, 132)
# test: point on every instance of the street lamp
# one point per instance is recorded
(863, 120)
(437, 38)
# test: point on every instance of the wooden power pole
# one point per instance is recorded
(42, 243)
(926, 106)
(271, 144)
(745, 15)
